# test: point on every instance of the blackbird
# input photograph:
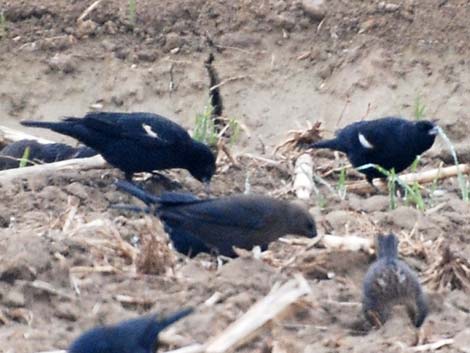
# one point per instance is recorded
(389, 142)
(390, 281)
(11, 154)
(218, 224)
(137, 142)
(133, 336)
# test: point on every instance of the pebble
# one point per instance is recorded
(14, 298)
(85, 28)
(461, 341)
(316, 9)
(62, 63)
(388, 7)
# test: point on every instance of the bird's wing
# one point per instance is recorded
(129, 127)
(219, 212)
(381, 133)
(371, 137)
(177, 198)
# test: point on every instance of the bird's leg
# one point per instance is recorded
(163, 179)
(370, 180)
(374, 318)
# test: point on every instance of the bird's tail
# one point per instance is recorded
(169, 320)
(387, 246)
(333, 144)
(130, 208)
(214, 93)
(135, 191)
(168, 198)
(150, 336)
(41, 124)
(66, 127)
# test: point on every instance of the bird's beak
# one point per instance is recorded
(435, 130)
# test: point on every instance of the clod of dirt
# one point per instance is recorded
(66, 311)
(316, 9)
(172, 41)
(370, 204)
(235, 273)
(403, 216)
(12, 272)
(57, 43)
(148, 55)
(85, 28)
(338, 219)
(4, 220)
(461, 341)
(62, 63)
(155, 256)
(14, 299)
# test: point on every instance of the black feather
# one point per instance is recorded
(219, 224)
(137, 142)
(388, 142)
(133, 336)
(11, 154)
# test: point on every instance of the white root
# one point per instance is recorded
(261, 312)
(88, 10)
(303, 177)
(335, 242)
(433, 346)
(350, 242)
(428, 176)
(12, 135)
(96, 162)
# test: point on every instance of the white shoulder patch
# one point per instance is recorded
(364, 142)
(149, 131)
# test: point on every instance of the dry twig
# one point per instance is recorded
(12, 135)
(451, 271)
(298, 139)
(88, 10)
(96, 162)
(264, 310)
(426, 177)
(303, 177)
(433, 346)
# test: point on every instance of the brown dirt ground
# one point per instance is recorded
(283, 68)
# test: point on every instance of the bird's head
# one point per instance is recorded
(425, 134)
(427, 127)
(301, 222)
(201, 162)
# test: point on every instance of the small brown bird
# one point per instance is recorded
(390, 281)
(219, 224)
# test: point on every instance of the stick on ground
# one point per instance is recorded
(12, 135)
(261, 312)
(96, 162)
(422, 178)
(303, 177)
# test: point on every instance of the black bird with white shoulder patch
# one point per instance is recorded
(389, 142)
(218, 224)
(138, 335)
(137, 142)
